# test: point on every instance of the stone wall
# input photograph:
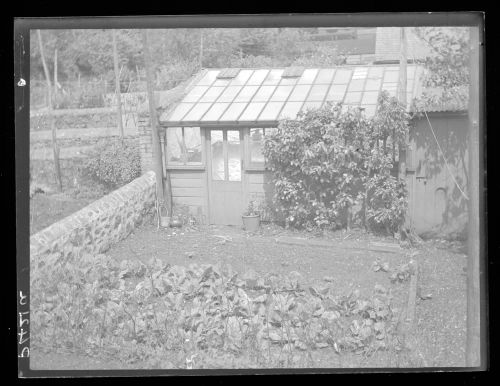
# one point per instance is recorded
(96, 227)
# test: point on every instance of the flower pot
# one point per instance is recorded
(165, 221)
(251, 223)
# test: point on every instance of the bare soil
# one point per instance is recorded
(437, 338)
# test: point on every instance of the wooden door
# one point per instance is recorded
(225, 175)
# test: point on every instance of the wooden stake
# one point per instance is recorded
(473, 352)
(117, 86)
(55, 149)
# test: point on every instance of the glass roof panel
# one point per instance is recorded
(325, 76)
(360, 73)
(180, 111)
(229, 93)
(391, 76)
(195, 94)
(299, 93)
(342, 76)
(273, 77)
(308, 76)
(246, 94)
(356, 85)
(212, 94)
(257, 77)
(352, 97)
(271, 111)
(370, 97)
(263, 94)
(369, 110)
(311, 105)
(281, 93)
(318, 92)
(214, 113)
(209, 78)
(376, 72)
(252, 111)
(288, 81)
(290, 110)
(336, 93)
(222, 82)
(241, 78)
(233, 112)
(197, 112)
(373, 84)
(390, 86)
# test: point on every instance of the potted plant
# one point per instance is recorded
(251, 218)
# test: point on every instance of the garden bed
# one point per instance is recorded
(348, 274)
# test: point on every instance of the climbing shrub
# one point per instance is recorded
(113, 163)
(332, 159)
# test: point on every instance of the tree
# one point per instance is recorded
(55, 148)
(448, 64)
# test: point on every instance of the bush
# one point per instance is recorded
(113, 163)
(330, 160)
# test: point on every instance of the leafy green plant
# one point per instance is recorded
(200, 316)
(252, 209)
(113, 163)
(332, 159)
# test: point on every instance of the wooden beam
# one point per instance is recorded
(117, 86)
(473, 352)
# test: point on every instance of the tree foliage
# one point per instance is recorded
(331, 159)
(447, 64)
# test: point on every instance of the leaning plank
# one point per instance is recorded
(329, 244)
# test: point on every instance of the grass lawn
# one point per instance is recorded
(436, 340)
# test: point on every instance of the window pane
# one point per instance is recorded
(174, 145)
(264, 94)
(209, 78)
(352, 97)
(212, 94)
(336, 93)
(391, 76)
(215, 112)
(252, 111)
(376, 72)
(241, 78)
(233, 112)
(373, 84)
(273, 77)
(356, 85)
(271, 111)
(360, 73)
(180, 111)
(195, 94)
(234, 155)
(299, 93)
(281, 93)
(222, 82)
(288, 81)
(197, 112)
(318, 92)
(258, 77)
(342, 76)
(256, 145)
(308, 76)
(192, 141)
(246, 94)
(217, 155)
(311, 106)
(290, 110)
(325, 76)
(370, 97)
(229, 94)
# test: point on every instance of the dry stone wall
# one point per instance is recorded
(96, 227)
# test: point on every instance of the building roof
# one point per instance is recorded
(264, 96)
